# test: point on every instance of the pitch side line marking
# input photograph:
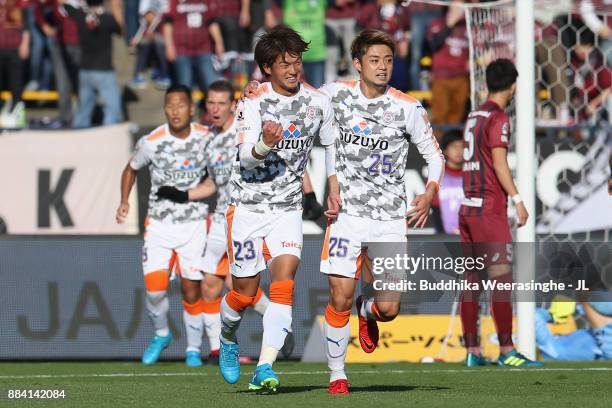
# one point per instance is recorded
(111, 375)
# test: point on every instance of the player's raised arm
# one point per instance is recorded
(422, 136)
(252, 149)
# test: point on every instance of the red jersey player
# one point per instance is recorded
(483, 219)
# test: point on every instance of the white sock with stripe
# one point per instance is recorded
(336, 340)
(212, 326)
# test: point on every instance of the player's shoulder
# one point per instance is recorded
(262, 90)
(156, 135)
(316, 94)
(398, 96)
(201, 130)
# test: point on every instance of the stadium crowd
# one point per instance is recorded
(66, 45)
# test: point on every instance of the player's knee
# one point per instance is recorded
(341, 301)
(212, 287)
(387, 310)
(191, 290)
(282, 292)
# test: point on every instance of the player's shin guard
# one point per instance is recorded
(212, 322)
(261, 302)
(501, 310)
(232, 308)
(337, 335)
(192, 317)
(157, 308)
(276, 320)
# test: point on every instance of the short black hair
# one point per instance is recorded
(179, 88)
(367, 38)
(222, 85)
(278, 41)
(451, 136)
(501, 74)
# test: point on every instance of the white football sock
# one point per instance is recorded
(157, 308)
(212, 326)
(336, 339)
(262, 304)
(230, 320)
(276, 326)
(193, 327)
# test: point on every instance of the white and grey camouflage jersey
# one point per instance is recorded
(372, 148)
(276, 184)
(175, 162)
(221, 153)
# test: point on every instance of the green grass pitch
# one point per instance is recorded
(166, 384)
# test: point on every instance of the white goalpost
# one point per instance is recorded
(526, 164)
(505, 29)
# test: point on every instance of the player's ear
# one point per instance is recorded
(357, 64)
(267, 69)
(192, 109)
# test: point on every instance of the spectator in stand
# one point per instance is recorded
(234, 19)
(149, 37)
(41, 69)
(63, 43)
(14, 48)
(448, 201)
(421, 15)
(450, 84)
(592, 79)
(390, 17)
(96, 27)
(340, 18)
(589, 10)
(550, 54)
(307, 17)
(191, 33)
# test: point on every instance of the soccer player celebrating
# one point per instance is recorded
(276, 129)
(377, 123)
(483, 219)
(220, 153)
(175, 232)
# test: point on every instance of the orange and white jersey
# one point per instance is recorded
(276, 184)
(372, 148)
(180, 163)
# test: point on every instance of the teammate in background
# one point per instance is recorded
(483, 219)
(276, 131)
(367, 196)
(445, 211)
(220, 154)
(175, 232)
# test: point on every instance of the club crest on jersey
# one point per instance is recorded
(387, 117)
(311, 112)
(360, 134)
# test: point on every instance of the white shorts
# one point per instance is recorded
(180, 246)
(215, 255)
(253, 238)
(342, 246)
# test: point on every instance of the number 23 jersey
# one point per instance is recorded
(276, 184)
